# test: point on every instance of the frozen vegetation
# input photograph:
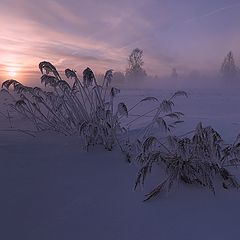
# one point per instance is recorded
(73, 152)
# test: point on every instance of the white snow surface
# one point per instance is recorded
(52, 189)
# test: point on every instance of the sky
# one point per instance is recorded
(189, 35)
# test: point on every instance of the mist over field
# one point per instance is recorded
(119, 120)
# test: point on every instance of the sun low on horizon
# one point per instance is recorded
(11, 72)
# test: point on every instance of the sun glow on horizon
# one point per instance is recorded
(11, 72)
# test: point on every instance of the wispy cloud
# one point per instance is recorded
(213, 12)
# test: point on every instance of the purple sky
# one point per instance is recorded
(186, 34)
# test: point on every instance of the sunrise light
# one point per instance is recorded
(11, 72)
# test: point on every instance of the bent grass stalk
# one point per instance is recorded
(78, 110)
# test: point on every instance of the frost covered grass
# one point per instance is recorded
(87, 109)
(198, 157)
(201, 159)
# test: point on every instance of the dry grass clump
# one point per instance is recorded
(201, 159)
(85, 108)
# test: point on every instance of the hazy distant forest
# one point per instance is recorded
(228, 70)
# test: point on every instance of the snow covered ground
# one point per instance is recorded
(52, 189)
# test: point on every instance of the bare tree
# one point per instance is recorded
(135, 65)
(229, 69)
(174, 74)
